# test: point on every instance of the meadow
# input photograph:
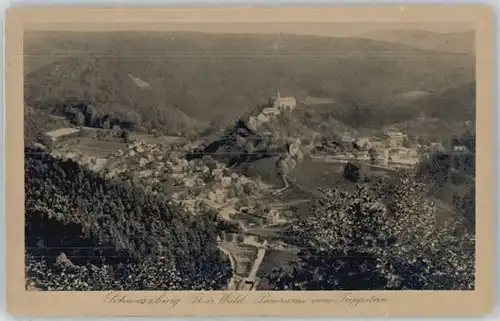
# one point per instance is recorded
(94, 147)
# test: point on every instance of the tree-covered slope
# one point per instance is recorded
(380, 237)
(113, 235)
(219, 77)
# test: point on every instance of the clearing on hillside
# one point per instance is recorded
(93, 147)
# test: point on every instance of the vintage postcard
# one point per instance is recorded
(249, 161)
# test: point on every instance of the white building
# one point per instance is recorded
(347, 139)
(404, 155)
(275, 217)
(382, 156)
(262, 118)
(273, 111)
(266, 115)
(284, 102)
(395, 139)
(461, 148)
(52, 137)
(276, 106)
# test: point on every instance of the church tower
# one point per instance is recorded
(283, 102)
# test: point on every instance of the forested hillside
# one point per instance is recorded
(457, 42)
(453, 104)
(37, 122)
(108, 234)
(438, 169)
(430, 115)
(197, 78)
(380, 237)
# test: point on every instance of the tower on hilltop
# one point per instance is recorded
(284, 102)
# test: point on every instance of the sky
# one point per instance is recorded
(320, 29)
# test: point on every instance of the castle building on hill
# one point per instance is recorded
(271, 111)
(284, 102)
(274, 107)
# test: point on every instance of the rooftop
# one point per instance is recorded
(394, 134)
(271, 110)
(347, 138)
(281, 98)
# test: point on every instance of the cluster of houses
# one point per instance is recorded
(390, 149)
(386, 151)
(144, 159)
(153, 165)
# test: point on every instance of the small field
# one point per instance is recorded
(93, 147)
(312, 175)
(247, 218)
(272, 260)
(266, 231)
(159, 140)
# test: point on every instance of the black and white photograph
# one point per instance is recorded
(250, 157)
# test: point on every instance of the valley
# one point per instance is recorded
(218, 164)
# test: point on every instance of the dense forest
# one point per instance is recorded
(235, 72)
(450, 176)
(87, 232)
(37, 122)
(380, 237)
(429, 116)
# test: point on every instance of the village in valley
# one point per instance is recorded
(159, 163)
(251, 164)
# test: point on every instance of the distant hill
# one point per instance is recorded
(452, 105)
(319, 119)
(444, 116)
(459, 42)
(433, 129)
(456, 103)
(108, 87)
(218, 77)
